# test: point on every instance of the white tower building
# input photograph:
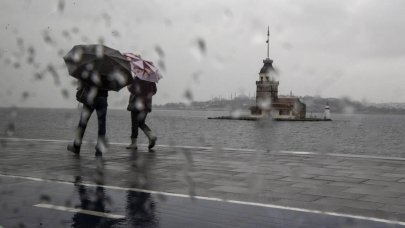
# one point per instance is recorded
(326, 114)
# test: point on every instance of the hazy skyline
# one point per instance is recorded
(209, 48)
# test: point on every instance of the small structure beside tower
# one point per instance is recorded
(268, 102)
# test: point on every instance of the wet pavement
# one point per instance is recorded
(43, 185)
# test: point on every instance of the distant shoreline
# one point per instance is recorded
(401, 112)
(313, 104)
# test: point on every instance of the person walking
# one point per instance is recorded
(140, 104)
(92, 99)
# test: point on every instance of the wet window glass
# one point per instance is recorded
(202, 113)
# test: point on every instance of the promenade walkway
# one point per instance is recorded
(330, 190)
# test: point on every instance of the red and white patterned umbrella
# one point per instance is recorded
(143, 69)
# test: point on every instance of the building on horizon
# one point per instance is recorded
(268, 102)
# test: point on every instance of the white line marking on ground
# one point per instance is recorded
(297, 152)
(77, 210)
(219, 200)
(227, 149)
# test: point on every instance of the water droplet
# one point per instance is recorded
(20, 42)
(201, 45)
(100, 49)
(7, 61)
(161, 65)
(91, 95)
(196, 76)
(61, 5)
(89, 66)
(47, 38)
(61, 52)
(74, 83)
(115, 33)
(198, 48)
(349, 110)
(16, 65)
(118, 77)
(106, 18)
(30, 59)
(45, 198)
(159, 51)
(264, 104)
(85, 74)
(75, 30)
(39, 76)
(139, 105)
(10, 130)
(25, 95)
(77, 55)
(65, 93)
(31, 50)
(236, 113)
(51, 69)
(95, 78)
(66, 34)
(189, 96)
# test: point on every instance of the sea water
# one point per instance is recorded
(379, 135)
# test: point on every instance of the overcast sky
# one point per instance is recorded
(339, 48)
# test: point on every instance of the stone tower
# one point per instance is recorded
(266, 86)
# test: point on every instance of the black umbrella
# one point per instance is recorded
(99, 66)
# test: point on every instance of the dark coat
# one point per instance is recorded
(86, 94)
(141, 95)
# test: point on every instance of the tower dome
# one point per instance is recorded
(267, 66)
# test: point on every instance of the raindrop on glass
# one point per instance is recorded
(10, 130)
(51, 69)
(161, 65)
(201, 45)
(45, 198)
(189, 96)
(66, 34)
(100, 49)
(25, 95)
(159, 51)
(39, 76)
(16, 65)
(61, 5)
(75, 30)
(47, 38)
(115, 33)
(65, 93)
(77, 55)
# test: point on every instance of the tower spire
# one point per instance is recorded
(268, 38)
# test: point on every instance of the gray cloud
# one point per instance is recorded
(328, 48)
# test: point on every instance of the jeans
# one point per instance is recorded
(100, 105)
(138, 120)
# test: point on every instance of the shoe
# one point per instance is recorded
(72, 147)
(152, 142)
(98, 153)
(101, 146)
(133, 145)
(152, 139)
